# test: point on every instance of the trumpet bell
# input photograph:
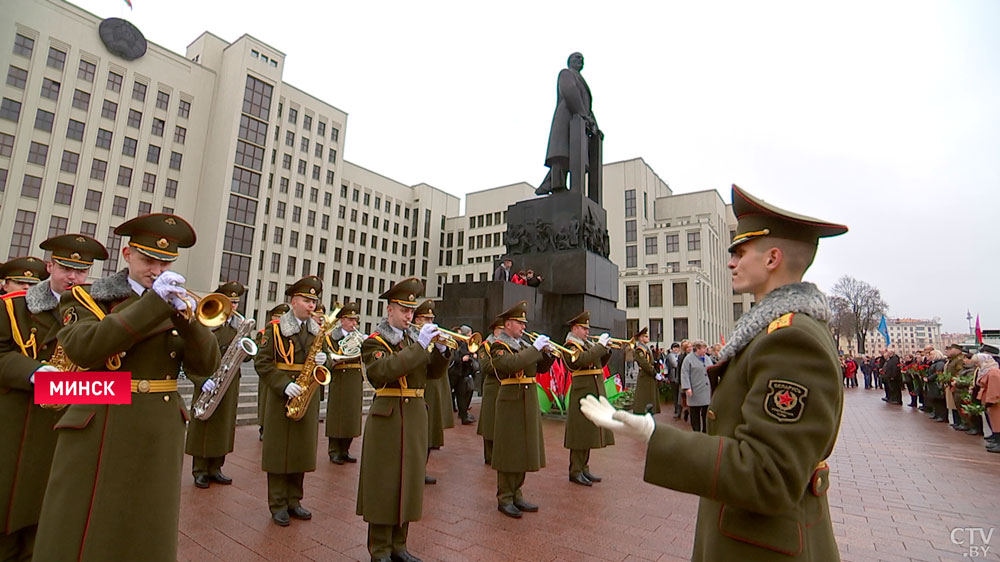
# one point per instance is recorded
(213, 310)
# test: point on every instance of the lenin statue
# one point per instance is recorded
(574, 138)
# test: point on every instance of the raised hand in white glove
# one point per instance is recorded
(603, 414)
(42, 369)
(441, 347)
(541, 342)
(427, 333)
(208, 386)
(659, 377)
(604, 339)
(169, 287)
(320, 358)
(292, 390)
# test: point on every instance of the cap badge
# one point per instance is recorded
(162, 243)
(81, 239)
(170, 221)
(312, 290)
(412, 297)
(29, 273)
(75, 255)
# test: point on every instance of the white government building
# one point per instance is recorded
(89, 140)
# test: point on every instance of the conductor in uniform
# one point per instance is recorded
(394, 445)
(346, 390)
(135, 321)
(518, 446)
(289, 449)
(209, 441)
(760, 469)
(587, 370)
(29, 324)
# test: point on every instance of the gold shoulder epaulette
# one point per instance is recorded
(784, 321)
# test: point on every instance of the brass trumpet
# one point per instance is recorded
(211, 310)
(615, 343)
(451, 339)
(565, 353)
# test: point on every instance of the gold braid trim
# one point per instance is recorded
(16, 332)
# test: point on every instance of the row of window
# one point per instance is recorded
(679, 292)
(488, 219)
(307, 122)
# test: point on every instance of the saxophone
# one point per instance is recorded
(60, 361)
(239, 349)
(309, 376)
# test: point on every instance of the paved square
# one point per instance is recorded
(901, 485)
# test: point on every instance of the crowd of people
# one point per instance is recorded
(954, 386)
(505, 272)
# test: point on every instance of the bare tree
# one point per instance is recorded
(842, 322)
(864, 305)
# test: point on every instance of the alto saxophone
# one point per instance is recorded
(60, 361)
(309, 377)
(239, 349)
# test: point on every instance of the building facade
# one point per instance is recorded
(906, 335)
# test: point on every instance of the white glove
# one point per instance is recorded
(603, 414)
(169, 287)
(42, 369)
(541, 342)
(604, 339)
(321, 358)
(427, 333)
(441, 347)
(659, 377)
(208, 386)
(292, 390)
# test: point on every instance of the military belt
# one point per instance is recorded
(146, 386)
(517, 380)
(297, 367)
(400, 392)
(344, 366)
(587, 372)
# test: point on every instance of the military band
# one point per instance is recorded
(209, 441)
(29, 324)
(346, 389)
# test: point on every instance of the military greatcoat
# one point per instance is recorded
(289, 445)
(394, 450)
(645, 387)
(114, 488)
(438, 397)
(27, 439)
(772, 422)
(491, 386)
(215, 436)
(345, 394)
(517, 435)
(581, 433)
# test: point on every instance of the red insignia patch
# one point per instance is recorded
(379, 354)
(500, 352)
(70, 316)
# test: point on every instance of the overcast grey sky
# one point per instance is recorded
(880, 115)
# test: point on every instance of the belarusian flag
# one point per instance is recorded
(129, 2)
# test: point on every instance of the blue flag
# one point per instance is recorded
(884, 330)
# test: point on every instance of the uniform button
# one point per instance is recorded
(166, 398)
(406, 400)
(710, 415)
(173, 354)
(123, 354)
(33, 330)
(46, 346)
(173, 332)
(169, 377)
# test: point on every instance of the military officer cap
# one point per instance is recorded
(75, 251)
(987, 348)
(349, 310)
(232, 289)
(278, 310)
(320, 308)
(757, 218)
(425, 309)
(582, 319)
(25, 269)
(642, 332)
(158, 235)
(956, 347)
(517, 312)
(406, 292)
(309, 287)
(497, 323)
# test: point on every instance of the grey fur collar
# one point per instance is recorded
(801, 298)
(643, 346)
(510, 342)
(387, 332)
(112, 288)
(290, 325)
(39, 298)
(571, 337)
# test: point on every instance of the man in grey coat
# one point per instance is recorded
(694, 383)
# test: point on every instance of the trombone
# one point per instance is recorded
(564, 353)
(615, 343)
(211, 310)
(450, 339)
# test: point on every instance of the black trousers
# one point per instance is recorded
(461, 390)
(699, 421)
(675, 388)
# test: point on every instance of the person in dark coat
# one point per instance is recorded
(646, 391)
(503, 272)
(346, 389)
(893, 378)
(460, 373)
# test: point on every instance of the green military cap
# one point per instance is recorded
(278, 310)
(582, 319)
(75, 251)
(425, 309)
(158, 235)
(406, 292)
(497, 323)
(643, 332)
(517, 312)
(757, 218)
(349, 310)
(25, 269)
(309, 287)
(232, 289)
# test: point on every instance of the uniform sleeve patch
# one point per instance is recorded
(782, 322)
(70, 316)
(378, 354)
(500, 352)
(785, 401)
